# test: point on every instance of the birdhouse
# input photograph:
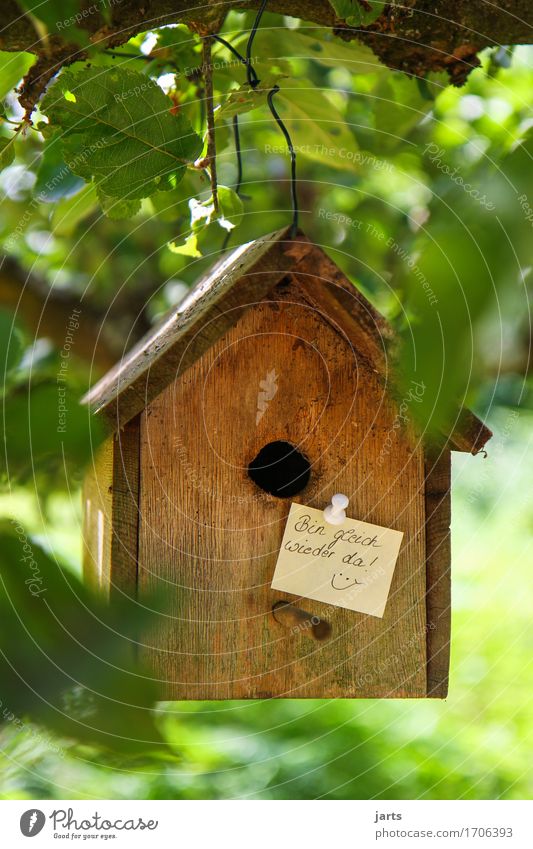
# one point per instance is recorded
(262, 395)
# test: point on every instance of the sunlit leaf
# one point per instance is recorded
(13, 67)
(187, 248)
(320, 46)
(178, 47)
(231, 206)
(245, 98)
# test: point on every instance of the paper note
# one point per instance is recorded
(349, 565)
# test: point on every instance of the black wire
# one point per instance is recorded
(250, 71)
(231, 48)
(253, 82)
(237, 139)
(236, 136)
(283, 128)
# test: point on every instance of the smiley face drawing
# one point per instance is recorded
(340, 581)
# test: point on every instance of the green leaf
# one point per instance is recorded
(188, 248)
(118, 131)
(318, 130)
(465, 261)
(400, 105)
(206, 227)
(173, 205)
(66, 657)
(13, 67)
(231, 206)
(7, 152)
(357, 13)
(117, 209)
(321, 47)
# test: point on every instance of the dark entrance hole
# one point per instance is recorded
(280, 469)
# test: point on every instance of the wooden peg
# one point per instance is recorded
(300, 621)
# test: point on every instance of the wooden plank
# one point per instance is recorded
(110, 514)
(97, 518)
(209, 536)
(346, 308)
(438, 566)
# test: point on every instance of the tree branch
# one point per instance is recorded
(416, 36)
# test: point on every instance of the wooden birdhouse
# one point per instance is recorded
(266, 387)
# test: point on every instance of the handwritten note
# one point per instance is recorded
(349, 565)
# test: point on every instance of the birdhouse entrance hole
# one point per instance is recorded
(280, 469)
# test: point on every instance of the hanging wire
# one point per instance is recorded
(238, 152)
(253, 82)
(250, 71)
(283, 128)
(230, 47)
(235, 121)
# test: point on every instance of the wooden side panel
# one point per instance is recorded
(111, 514)
(98, 517)
(209, 537)
(124, 546)
(438, 559)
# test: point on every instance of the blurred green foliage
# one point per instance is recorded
(422, 193)
(67, 658)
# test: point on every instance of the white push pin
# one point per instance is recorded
(335, 513)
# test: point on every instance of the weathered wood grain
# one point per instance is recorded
(210, 537)
(125, 539)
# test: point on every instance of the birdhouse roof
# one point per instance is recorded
(234, 284)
